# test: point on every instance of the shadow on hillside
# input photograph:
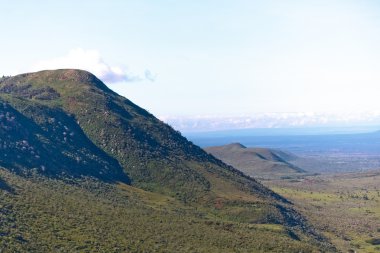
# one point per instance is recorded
(5, 187)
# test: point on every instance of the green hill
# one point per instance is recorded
(66, 139)
(261, 163)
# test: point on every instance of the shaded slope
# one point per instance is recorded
(257, 162)
(56, 146)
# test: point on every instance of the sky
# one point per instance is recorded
(205, 57)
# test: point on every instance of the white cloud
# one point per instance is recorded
(92, 61)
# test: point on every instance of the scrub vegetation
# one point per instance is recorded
(344, 206)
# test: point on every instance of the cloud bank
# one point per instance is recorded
(92, 61)
(272, 121)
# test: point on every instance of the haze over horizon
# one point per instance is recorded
(300, 122)
(208, 57)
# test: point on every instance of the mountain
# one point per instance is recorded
(75, 116)
(262, 163)
(74, 154)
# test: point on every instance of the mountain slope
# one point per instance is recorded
(67, 124)
(152, 154)
(257, 162)
(46, 215)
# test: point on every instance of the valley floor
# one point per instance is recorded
(345, 207)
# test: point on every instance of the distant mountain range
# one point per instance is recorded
(73, 150)
(261, 163)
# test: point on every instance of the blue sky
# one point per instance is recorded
(207, 57)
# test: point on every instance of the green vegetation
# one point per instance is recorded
(345, 207)
(87, 170)
(46, 215)
(50, 142)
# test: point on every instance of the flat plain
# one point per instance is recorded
(344, 206)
